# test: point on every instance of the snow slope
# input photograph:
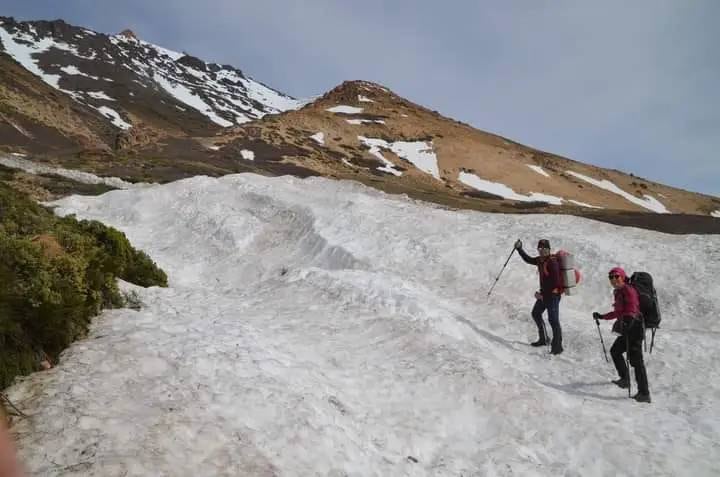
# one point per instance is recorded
(314, 327)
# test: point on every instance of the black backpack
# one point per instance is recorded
(643, 284)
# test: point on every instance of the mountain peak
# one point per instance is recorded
(128, 33)
(354, 89)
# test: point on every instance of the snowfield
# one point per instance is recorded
(314, 327)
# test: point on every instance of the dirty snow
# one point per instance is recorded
(78, 176)
(364, 121)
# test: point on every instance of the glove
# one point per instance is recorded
(597, 315)
(518, 244)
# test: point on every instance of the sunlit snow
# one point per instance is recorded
(538, 169)
(418, 153)
(185, 95)
(364, 121)
(99, 95)
(583, 204)
(504, 191)
(72, 70)
(318, 327)
(114, 117)
(648, 202)
(318, 137)
(247, 155)
(345, 109)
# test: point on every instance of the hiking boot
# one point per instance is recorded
(642, 398)
(623, 383)
(540, 342)
(557, 350)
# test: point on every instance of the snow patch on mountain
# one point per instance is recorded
(583, 204)
(23, 53)
(99, 95)
(342, 108)
(538, 169)
(364, 99)
(247, 155)
(504, 191)
(318, 137)
(78, 176)
(72, 70)
(375, 146)
(418, 153)
(715, 214)
(357, 122)
(648, 202)
(114, 117)
(185, 95)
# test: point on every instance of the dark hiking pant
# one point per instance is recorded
(634, 335)
(552, 305)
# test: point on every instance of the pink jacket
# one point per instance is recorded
(626, 303)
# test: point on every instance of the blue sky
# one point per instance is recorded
(633, 86)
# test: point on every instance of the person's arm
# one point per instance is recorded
(528, 259)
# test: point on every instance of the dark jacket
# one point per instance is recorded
(548, 272)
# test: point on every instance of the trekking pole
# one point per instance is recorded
(627, 361)
(545, 334)
(502, 270)
(602, 342)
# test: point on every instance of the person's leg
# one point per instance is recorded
(553, 309)
(536, 313)
(638, 363)
(616, 351)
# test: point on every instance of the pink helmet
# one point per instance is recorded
(618, 271)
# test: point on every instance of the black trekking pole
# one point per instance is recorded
(502, 270)
(602, 342)
(627, 361)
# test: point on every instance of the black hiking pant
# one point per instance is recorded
(631, 338)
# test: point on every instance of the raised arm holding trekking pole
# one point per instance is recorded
(548, 297)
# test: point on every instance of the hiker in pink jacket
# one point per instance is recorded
(626, 310)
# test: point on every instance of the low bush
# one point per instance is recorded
(55, 275)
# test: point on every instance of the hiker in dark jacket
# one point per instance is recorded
(626, 310)
(548, 298)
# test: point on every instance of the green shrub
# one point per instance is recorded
(56, 274)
